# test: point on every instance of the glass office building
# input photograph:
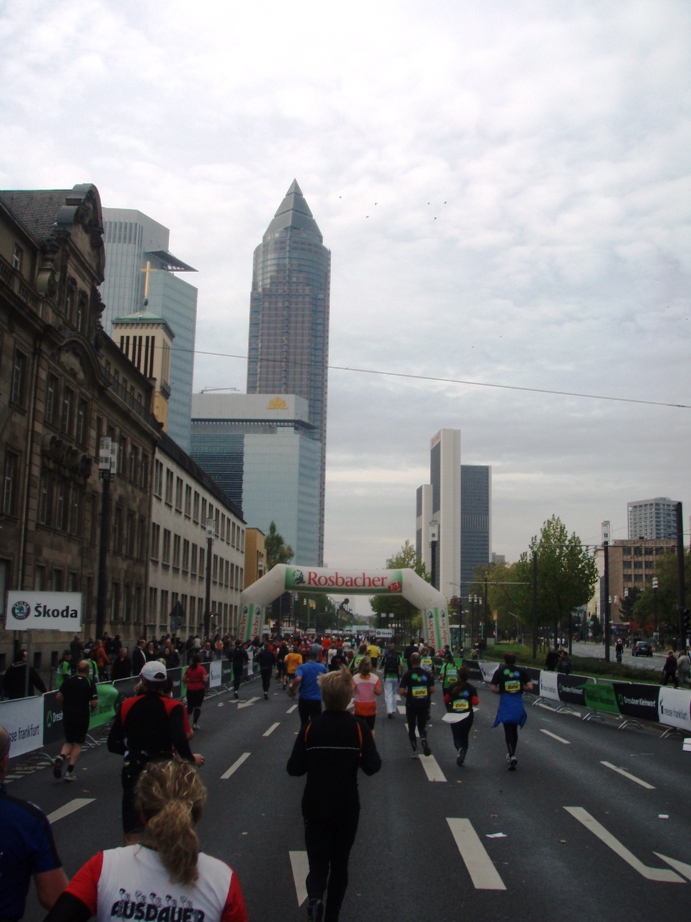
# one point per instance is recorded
(139, 268)
(260, 450)
(289, 320)
(476, 521)
(652, 518)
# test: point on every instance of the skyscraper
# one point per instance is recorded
(139, 268)
(652, 518)
(438, 514)
(289, 320)
(476, 521)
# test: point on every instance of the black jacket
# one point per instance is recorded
(14, 681)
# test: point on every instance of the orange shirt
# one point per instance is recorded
(365, 691)
(293, 660)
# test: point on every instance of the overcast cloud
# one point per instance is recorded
(504, 188)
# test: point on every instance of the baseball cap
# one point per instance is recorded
(153, 671)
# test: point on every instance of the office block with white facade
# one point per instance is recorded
(654, 519)
(185, 500)
(438, 514)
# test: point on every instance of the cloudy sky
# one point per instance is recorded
(504, 188)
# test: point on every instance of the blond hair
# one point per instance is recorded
(337, 689)
(365, 666)
(171, 796)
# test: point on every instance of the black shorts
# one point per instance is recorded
(195, 698)
(75, 730)
(369, 719)
(280, 667)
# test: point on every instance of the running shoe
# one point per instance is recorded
(461, 757)
(57, 768)
(195, 726)
(266, 695)
(414, 755)
(425, 747)
(70, 776)
(315, 910)
(513, 762)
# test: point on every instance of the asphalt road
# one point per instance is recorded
(565, 837)
(597, 651)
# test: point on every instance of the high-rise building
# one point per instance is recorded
(438, 514)
(140, 276)
(654, 519)
(476, 521)
(260, 451)
(289, 321)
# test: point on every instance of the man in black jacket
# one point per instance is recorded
(329, 750)
(78, 697)
(14, 680)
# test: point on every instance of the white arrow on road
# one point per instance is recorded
(661, 875)
(684, 869)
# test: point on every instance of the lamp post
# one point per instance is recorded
(210, 532)
(433, 543)
(607, 599)
(655, 585)
(107, 465)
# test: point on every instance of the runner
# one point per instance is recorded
(164, 877)
(367, 689)
(78, 697)
(266, 660)
(448, 674)
(292, 661)
(239, 658)
(307, 680)
(329, 750)
(460, 699)
(392, 676)
(416, 687)
(281, 654)
(196, 680)
(361, 654)
(510, 681)
(374, 653)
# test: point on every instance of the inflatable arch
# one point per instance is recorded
(405, 583)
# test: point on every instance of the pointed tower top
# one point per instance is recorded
(294, 212)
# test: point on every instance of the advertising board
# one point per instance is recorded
(44, 611)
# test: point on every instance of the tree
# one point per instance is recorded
(566, 575)
(666, 571)
(504, 595)
(404, 612)
(628, 603)
(277, 551)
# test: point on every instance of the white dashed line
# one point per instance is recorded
(474, 854)
(291, 709)
(235, 766)
(620, 771)
(432, 769)
(271, 729)
(555, 737)
(246, 704)
(300, 867)
(71, 807)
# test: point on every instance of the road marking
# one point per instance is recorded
(246, 704)
(417, 732)
(235, 766)
(662, 875)
(432, 769)
(70, 807)
(555, 737)
(474, 854)
(400, 708)
(684, 869)
(300, 867)
(291, 709)
(271, 729)
(643, 784)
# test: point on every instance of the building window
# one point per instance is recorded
(188, 501)
(204, 513)
(226, 578)
(58, 580)
(202, 560)
(137, 604)
(52, 385)
(141, 550)
(45, 499)
(169, 487)
(76, 510)
(222, 534)
(178, 494)
(131, 542)
(17, 257)
(155, 540)
(233, 535)
(193, 560)
(158, 478)
(61, 505)
(67, 411)
(18, 387)
(176, 552)
(117, 529)
(153, 601)
(94, 519)
(164, 606)
(122, 455)
(185, 556)
(195, 507)
(215, 568)
(11, 483)
(165, 553)
(72, 581)
(115, 603)
(127, 603)
(81, 432)
(144, 475)
(134, 464)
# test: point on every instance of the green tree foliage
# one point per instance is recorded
(277, 551)
(628, 603)
(505, 595)
(566, 575)
(404, 612)
(666, 571)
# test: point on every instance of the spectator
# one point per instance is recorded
(98, 653)
(64, 668)
(564, 664)
(14, 680)
(138, 657)
(683, 667)
(669, 670)
(122, 667)
(26, 849)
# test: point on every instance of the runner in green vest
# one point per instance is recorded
(448, 674)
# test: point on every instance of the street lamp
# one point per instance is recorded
(655, 585)
(210, 533)
(433, 544)
(107, 465)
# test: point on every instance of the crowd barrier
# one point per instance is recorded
(661, 704)
(35, 722)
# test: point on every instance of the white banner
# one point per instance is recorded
(548, 685)
(488, 670)
(215, 670)
(44, 611)
(23, 720)
(674, 707)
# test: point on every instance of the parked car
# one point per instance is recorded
(642, 648)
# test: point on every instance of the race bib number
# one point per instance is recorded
(461, 705)
(419, 693)
(426, 662)
(451, 675)
(512, 687)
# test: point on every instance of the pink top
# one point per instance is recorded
(365, 694)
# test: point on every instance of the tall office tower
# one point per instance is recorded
(438, 514)
(289, 319)
(652, 518)
(260, 451)
(476, 521)
(140, 275)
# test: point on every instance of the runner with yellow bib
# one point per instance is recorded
(460, 699)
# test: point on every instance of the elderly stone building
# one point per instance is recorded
(63, 385)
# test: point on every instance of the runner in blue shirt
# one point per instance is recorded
(306, 676)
